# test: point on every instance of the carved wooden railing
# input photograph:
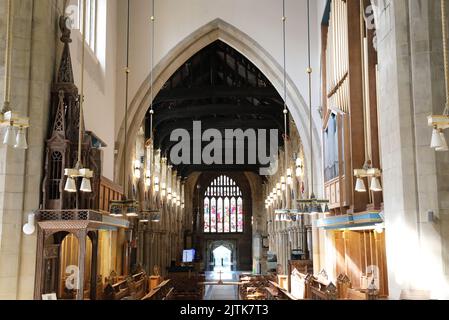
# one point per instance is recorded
(67, 215)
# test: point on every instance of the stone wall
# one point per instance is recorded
(34, 50)
(411, 87)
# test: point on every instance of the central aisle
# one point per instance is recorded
(222, 292)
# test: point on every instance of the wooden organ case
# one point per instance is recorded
(349, 60)
(350, 134)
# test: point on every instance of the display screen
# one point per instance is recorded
(188, 256)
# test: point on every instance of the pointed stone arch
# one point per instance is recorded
(240, 41)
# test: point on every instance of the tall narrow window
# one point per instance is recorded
(223, 207)
(91, 22)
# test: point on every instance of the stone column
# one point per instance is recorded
(34, 44)
(411, 87)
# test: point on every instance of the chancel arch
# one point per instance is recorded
(180, 54)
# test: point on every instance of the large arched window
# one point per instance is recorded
(223, 207)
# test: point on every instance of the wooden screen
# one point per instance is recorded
(109, 191)
(361, 256)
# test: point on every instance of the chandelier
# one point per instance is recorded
(151, 214)
(371, 173)
(281, 187)
(439, 123)
(79, 171)
(312, 205)
(16, 125)
(125, 207)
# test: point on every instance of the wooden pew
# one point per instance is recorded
(187, 285)
(140, 283)
(255, 287)
(132, 288)
(163, 291)
(346, 292)
(319, 289)
(117, 291)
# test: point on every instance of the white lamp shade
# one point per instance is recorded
(28, 229)
(375, 185)
(10, 136)
(86, 186)
(70, 185)
(148, 178)
(360, 185)
(443, 146)
(137, 173)
(30, 226)
(21, 140)
(437, 141)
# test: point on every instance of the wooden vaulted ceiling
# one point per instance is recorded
(224, 90)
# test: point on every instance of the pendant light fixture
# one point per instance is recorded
(125, 207)
(79, 171)
(15, 134)
(283, 215)
(152, 214)
(439, 123)
(311, 205)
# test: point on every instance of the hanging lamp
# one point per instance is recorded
(439, 123)
(79, 171)
(283, 215)
(313, 205)
(125, 207)
(152, 214)
(16, 125)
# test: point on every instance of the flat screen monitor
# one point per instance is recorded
(188, 256)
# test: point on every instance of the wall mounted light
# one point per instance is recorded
(289, 177)
(137, 172)
(169, 194)
(30, 227)
(148, 178)
(156, 184)
(283, 185)
(164, 190)
(299, 168)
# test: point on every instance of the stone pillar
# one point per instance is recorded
(34, 44)
(411, 87)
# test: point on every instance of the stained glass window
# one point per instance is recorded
(223, 207)
(206, 215)
(240, 215)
